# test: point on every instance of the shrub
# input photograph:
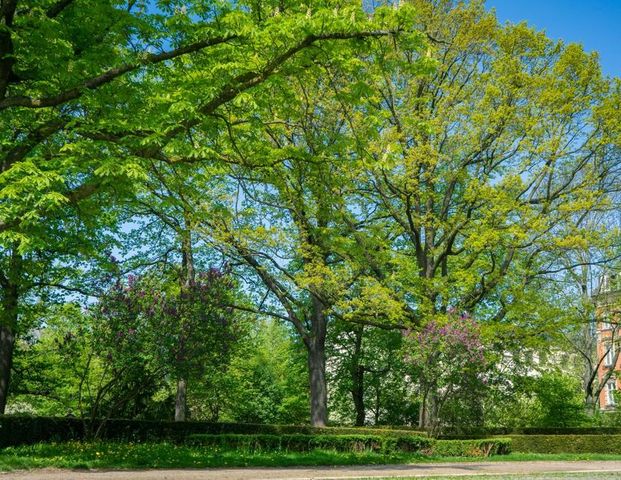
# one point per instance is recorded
(355, 443)
(566, 443)
(559, 401)
(18, 430)
(484, 447)
(306, 443)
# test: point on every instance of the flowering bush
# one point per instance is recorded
(447, 360)
(144, 332)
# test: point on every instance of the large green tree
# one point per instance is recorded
(489, 167)
(84, 102)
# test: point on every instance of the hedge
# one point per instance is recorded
(566, 443)
(483, 447)
(305, 443)
(355, 443)
(18, 430)
(492, 432)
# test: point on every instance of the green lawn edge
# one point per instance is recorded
(125, 456)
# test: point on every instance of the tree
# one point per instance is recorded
(141, 335)
(268, 378)
(291, 225)
(486, 169)
(367, 376)
(85, 114)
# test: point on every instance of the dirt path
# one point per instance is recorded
(325, 473)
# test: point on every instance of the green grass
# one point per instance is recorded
(114, 455)
(538, 476)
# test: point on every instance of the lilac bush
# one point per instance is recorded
(447, 359)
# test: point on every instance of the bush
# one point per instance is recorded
(490, 432)
(306, 443)
(566, 443)
(18, 430)
(355, 443)
(15, 430)
(559, 401)
(568, 431)
(484, 447)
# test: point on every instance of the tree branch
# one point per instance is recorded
(109, 75)
(58, 8)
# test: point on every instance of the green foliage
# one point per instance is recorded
(18, 429)
(559, 401)
(306, 443)
(357, 443)
(472, 448)
(352, 170)
(267, 381)
(583, 443)
(115, 358)
(373, 365)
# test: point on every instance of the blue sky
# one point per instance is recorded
(596, 24)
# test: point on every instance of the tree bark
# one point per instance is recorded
(8, 323)
(422, 412)
(188, 280)
(180, 401)
(318, 390)
(317, 365)
(357, 380)
(7, 342)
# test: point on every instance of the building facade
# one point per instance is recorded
(608, 346)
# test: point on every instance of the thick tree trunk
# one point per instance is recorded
(357, 380)
(8, 323)
(317, 365)
(7, 342)
(180, 401)
(318, 390)
(357, 392)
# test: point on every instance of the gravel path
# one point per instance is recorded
(325, 473)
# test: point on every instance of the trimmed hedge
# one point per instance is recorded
(16, 430)
(483, 447)
(305, 443)
(19, 430)
(566, 443)
(506, 432)
(568, 431)
(355, 443)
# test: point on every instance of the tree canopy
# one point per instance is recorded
(349, 177)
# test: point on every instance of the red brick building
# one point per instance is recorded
(608, 345)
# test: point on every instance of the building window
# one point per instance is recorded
(611, 387)
(605, 323)
(610, 355)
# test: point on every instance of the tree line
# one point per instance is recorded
(413, 175)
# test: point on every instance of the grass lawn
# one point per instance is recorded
(541, 476)
(167, 455)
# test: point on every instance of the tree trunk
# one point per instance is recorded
(422, 413)
(180, 401)
(188, 280)
(7, 342)
(318, 391)
(358, 395)
(357, 380)
(8, 325)
(317, 365)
